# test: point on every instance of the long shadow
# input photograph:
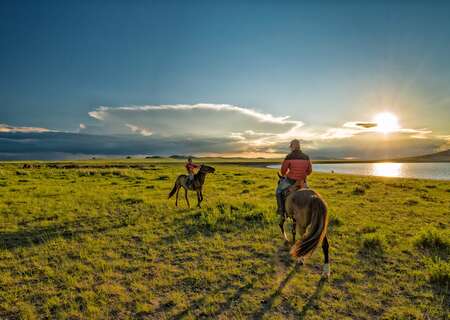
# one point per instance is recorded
(38, 235)
(313, 299)
(283, 255)
(222, 307)
(267, 304)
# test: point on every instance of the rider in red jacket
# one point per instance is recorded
(295, 168)
(190, 167)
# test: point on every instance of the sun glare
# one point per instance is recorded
(387, 169)
(386, 122)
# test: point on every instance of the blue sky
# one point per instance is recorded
(324, 65)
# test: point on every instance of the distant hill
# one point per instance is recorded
(180, 156)
(443, 156)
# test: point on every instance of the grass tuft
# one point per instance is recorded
(370, 228)
(439, 274)
(359, 191)
(373, 243)
(436, 242)
(411, 202)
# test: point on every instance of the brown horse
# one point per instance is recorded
(196, 185)
(309, 214)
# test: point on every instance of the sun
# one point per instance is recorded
(386, 122)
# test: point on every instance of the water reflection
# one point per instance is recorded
(387, 169)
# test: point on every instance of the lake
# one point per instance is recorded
(435, 170)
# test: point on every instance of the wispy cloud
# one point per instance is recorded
(143, 131)
(101, 112)
(243, 125)
(8, 128)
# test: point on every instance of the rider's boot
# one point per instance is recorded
(280, 204)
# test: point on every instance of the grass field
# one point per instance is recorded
(102, 241)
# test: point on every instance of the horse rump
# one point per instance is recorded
(317, 229)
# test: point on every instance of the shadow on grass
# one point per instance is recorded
(222, 307)
(282, 259)
(38, 235)
(312, 299)
(267, 304)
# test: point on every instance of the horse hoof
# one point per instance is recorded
(300, 261)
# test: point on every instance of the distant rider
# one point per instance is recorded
(295, 168)
(190, 167)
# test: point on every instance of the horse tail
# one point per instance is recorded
(316, 231)
(174, 189)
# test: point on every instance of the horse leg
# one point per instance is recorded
(176, 201)
(281, 224)
(294, 229)
(198, 199)
(186, 197)
(301, 230)
(326, 265)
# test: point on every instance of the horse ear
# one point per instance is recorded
(279, 175)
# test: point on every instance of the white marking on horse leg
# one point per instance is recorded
(285, 236)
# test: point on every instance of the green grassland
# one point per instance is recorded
(102, 241)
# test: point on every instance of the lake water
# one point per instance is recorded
(387, 169)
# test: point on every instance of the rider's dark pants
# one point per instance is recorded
(279, 193)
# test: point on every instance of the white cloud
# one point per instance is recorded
(143, 131)
(248, 130)
(249, 126)
(8, 128)
(263, 117)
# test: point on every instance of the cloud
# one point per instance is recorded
(365, 125)
(62, 145)
(8, 128)
(352, 128)
(102, 112)
(197, 121)
(248, 130)
(214, 129)
(143, 131)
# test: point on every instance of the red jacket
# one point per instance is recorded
(296, 166)
(190, 167)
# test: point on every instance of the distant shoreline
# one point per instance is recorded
(268, 163)
(231, 161)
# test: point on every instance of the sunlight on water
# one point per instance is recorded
(387, 169)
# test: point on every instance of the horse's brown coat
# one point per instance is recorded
(197, 186)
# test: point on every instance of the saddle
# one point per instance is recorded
(287, 191)
(192, 184)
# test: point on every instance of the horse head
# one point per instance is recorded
(280, 177)
(206, 169)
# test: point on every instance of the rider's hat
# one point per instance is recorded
(295, 142)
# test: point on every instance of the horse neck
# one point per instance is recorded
(201, 177)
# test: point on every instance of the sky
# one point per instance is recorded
(228, 78)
